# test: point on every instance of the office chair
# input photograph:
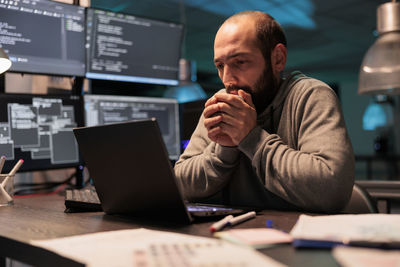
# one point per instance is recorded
(360, 202)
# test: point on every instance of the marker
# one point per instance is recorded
(12, 172)
(2, 160)
(220, 224)
(242, 218)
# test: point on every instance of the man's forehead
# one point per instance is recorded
(238, 26)
(235, 39)
(233, 55)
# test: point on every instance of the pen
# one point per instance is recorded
(242, 218)
(12, 172)
(220, 224)
(270, 224)
(2, 160)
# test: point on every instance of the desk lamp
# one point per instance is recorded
(380, 69)
(5, 62)
(188, 89)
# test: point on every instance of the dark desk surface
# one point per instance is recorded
(43, 217)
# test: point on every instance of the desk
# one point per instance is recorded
(42, 217)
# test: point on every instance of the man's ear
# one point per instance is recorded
(278, 58)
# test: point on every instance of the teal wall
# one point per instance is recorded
(353, 106)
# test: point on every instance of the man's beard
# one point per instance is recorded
(264, 89)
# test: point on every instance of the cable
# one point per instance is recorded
(60, 189)
(34, 187)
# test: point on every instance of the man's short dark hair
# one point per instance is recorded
(269, 31)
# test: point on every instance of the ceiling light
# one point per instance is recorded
(380, 69)
(188, 89)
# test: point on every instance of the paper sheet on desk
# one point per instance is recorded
(347, 228)
(255, 237)
(142, 247)
(366, 257)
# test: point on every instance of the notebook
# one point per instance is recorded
(132, 173)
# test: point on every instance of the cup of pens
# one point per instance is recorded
(7, 183)
(6, 190)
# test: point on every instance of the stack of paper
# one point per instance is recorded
(366, 257)
(375, 230)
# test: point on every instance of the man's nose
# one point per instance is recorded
(229, 77)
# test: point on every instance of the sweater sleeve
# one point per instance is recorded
(315, 172)
(205, 167)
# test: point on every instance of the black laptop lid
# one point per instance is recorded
(130, 168)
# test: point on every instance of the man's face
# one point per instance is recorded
(241, 64)
(264, 89)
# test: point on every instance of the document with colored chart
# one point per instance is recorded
(142, 247)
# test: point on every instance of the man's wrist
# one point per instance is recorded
(250, 143)
(227, 154)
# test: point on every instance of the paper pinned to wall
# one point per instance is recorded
(142, 247)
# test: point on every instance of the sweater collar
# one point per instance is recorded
(284, 89)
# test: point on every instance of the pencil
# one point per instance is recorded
(12, 172)
(2, 161)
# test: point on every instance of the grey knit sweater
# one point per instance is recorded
(299, 156)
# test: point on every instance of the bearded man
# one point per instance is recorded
(266, 141)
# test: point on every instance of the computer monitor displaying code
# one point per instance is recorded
(43, 37)
(106, 109)
(128, 48)
(38, 129)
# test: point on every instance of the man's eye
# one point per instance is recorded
(219, 66)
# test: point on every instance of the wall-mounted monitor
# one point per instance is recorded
(43, 37)
(106, 109)
(128, 48)
(38, 129)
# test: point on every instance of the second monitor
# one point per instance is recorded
(124, 47)
(38, 129)
(106, 109)
(43, 37)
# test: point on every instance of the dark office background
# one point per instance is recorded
(326, 40)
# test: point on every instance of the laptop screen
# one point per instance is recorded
(107, 109)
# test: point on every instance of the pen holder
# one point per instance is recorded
(6, 190)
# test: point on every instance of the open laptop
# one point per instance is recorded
(132, 173)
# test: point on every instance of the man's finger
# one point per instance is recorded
(228, 119)
(230, 99)
(210, 110)
(246, 97)
(212, 122)
(210, 101)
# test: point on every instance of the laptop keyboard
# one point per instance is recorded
(81, 200)
(198, 207)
